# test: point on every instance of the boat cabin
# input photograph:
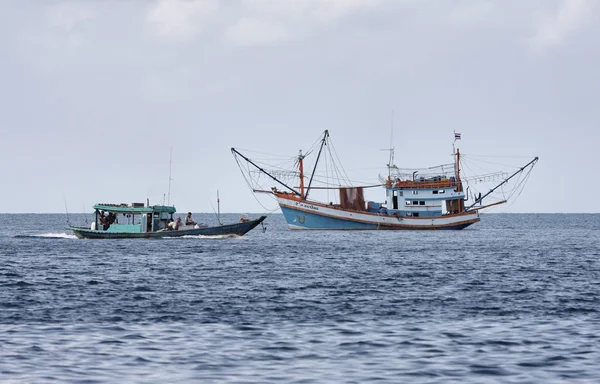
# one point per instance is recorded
(431, 197)
(134, 218)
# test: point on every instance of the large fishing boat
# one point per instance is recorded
(139, 220)
(427, 198)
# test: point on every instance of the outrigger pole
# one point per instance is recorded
(265, 172)
(532, 162)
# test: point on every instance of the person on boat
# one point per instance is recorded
(109, 220)
(189, 220)
(170, 224)
(174, 225)
(104, 220)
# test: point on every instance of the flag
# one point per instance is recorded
(456, 136)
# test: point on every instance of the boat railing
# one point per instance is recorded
(422, 184)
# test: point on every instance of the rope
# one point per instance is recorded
(251, 187)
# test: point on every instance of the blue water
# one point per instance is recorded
(514, 298)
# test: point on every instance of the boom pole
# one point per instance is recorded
(265, 172)
(532, 162)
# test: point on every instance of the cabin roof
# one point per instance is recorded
(124, 208)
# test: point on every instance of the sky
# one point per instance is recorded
(96, 93)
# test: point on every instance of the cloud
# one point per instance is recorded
(553, 29)
(272, 21)
(68, 15)
(471, 12)
(180, 19)
(257, 32)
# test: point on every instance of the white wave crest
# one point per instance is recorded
(57, 235)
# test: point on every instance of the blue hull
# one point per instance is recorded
(300, 219)
(309, 220)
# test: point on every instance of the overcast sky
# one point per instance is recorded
(94, 93)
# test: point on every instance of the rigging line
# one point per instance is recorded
(267, 153)
(341, 180)
(472, 179)
(316, 142)
(518, 172)
(327, 176)
(233, 150)
(496, 164)
(518, 189)
(466, 178)
(474, 164)
(335, 173)
(250, 185)
(343, 171)
(433, 167)
(525, 180)
(496, 156)
(481, 168)
(518, 183)
(323, 142)
(284, 165)
(340, 174)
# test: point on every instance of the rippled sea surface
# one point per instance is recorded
(514, 298)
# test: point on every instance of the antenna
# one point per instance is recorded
(218, 208)
(66, 210)
(391, 148)
(170, 162)
(391, 145)
(213, 208)
(85, 217)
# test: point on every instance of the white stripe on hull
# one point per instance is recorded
(381, 221)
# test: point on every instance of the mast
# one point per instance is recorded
(531, 163)
(265, 172)
(301, 169)
(459, 188)
(323, 142)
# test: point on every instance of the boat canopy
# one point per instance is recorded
(134, 208)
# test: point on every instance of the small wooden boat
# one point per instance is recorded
(123, 221)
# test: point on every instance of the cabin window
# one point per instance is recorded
(401, 193)
(421, 203)
(409, 214)
(415, 203)
(435, 192)
(415, 214)
(407, 202)
(415, 192)
(441, 191)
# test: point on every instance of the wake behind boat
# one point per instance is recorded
(428, 198)
(123, 221)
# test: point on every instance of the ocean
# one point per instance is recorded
(512, 299)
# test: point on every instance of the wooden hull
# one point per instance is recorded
(238, 229)
(318, 216)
